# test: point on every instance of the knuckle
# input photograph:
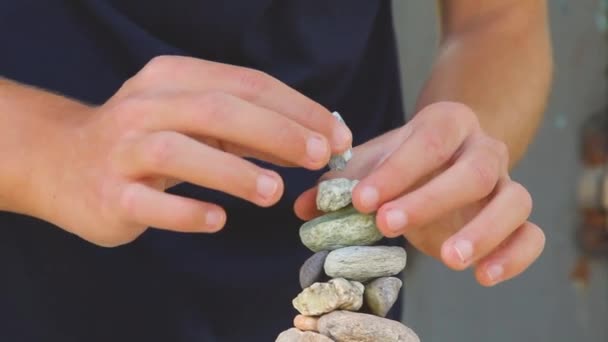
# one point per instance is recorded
(131, 111)
(215, 106)
(484, 175)
(252, 81)
(156, 69)
(463, 114)
(435, 145)
(522, 197)
(455, 113)
(160, 149)
(127, 204)
(314, 112)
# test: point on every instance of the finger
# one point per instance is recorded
(508, 210)
(152, 208)
(514, 256)
(177, 156)
(228, 118)
(434, 139)
(472, 177)
(305, 205)
(191, 74)
(369, 156)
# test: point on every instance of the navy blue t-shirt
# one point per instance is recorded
(236, 285)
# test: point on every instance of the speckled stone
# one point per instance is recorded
(380, 294)
(338, 162)
(335, 194)
(295, 335)
(336, 294)
(312, 269)
(345, 227)
(362, 263)
(344, 326)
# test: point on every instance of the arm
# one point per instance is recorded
(101, 172)
(30, 119)
(442, 180)
(495, 57)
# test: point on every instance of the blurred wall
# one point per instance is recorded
(543, 304)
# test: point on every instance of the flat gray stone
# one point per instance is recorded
(334, 194)
(338, 162)
(344, 326)
(336, 294)
(312, 269)
(362, 263)
(345, 227)
(295, 335)
(380, 294)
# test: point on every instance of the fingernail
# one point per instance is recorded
(214, 218)
(316, 148)
(495, 272)
(369, 197)
(396, 220)
(266, 186)
(342, 136)
(464, 250)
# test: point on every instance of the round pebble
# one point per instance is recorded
(312, 269)
(362, 263)
(345, 227)
(305, 323)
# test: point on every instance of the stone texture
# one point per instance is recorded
(343, 326)
(295, 335)
(338, 162)
(334, 194)
(345, 227)
(362, 263)
(312, 269)
(306, 323)
(381, 294)
(336, 294)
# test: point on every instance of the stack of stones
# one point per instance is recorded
(349, 284)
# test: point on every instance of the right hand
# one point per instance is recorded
(180, 120)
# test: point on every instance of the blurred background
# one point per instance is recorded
(564, 296)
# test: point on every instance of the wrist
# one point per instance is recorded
(33, 124)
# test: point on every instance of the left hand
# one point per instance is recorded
(443, 183)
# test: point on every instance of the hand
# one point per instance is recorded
(180, 119)
(443, 183)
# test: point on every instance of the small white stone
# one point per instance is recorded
(338, 162)
(335, 194)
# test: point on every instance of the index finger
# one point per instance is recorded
(192, 74)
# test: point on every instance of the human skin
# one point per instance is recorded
(100, 171)
(442, 180)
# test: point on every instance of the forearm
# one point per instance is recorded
(30, 122)
(499, 65)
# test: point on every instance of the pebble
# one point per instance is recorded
(295, 335)
(336, 294)
(343, 326)
(338, 162)
(362, 263)
(312, 269)
(334, 194)
(380, 294)
(345, 227)
(305, 323)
